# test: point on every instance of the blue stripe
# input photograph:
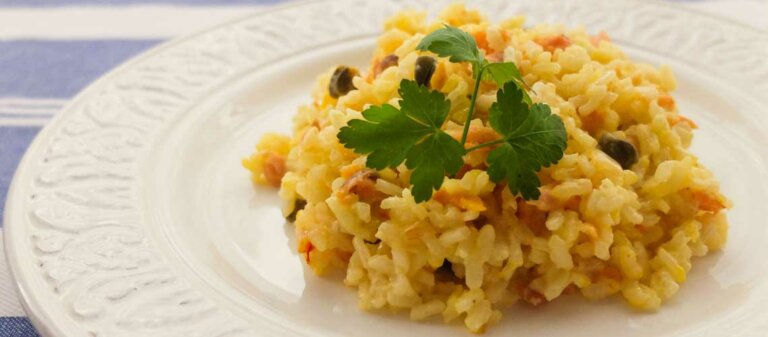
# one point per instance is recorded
(25, 115)
(16, 327)
(36, 104)
(60, 3)
(60, 69)
(15, 141)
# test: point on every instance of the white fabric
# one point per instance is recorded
(113, 22)
(162, 21)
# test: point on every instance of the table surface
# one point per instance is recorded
(51, 49)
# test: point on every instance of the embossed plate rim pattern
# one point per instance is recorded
(150, 87)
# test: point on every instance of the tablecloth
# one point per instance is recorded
(51, 49)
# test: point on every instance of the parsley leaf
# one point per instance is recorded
(412, 134)
(386, 135)
(533, 137)
(430, 160)
(501, 73)
(454, 43)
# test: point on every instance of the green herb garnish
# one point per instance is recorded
(531, 136)
(412, 133)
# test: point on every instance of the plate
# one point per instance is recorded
(131, 216)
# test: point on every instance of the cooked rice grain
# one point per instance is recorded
(475, 248)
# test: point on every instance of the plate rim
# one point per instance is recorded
(37, 315)
(35, 309)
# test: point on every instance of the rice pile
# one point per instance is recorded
(474, 248)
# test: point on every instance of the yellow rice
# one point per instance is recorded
(597, 230)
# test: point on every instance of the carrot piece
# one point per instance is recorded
(274, 168)
(482, 41)
(602, 36)
(305, 247)
(680, 119)
(611, 272)
(551, 43)
(667, 102)
(706, 202)
(532, 217)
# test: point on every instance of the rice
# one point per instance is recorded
(475, 248)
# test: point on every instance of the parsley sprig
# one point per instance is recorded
(388, 136)
(531, 136)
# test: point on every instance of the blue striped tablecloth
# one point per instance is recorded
(51, 49)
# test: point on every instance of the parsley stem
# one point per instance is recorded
(472, 100)
(498, 141)
(522, 82)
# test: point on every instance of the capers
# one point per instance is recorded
(341, 81)
(388, 61)
(621, 151)
(447, 267)
(425, 68)
(445, 273)
(298, 205)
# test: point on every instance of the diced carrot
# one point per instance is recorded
(378, 66)
(706, 202)
(680, 119)
(667, 102)
(611, 272)
(551, 43)
(463, 170)
(274, 168)
(305, 247)
(602, 36)
(531, 217)
(479, 134)
(592, 122)
(573, 203)
(379, 212)
(364, 188)
(546, 201)
(532, 297)
(505, 35)
(482, 41)
(371, 75)
(344, 256)
(442, 197)
(688, 121)
(362, 184)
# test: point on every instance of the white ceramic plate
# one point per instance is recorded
(131, 216)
